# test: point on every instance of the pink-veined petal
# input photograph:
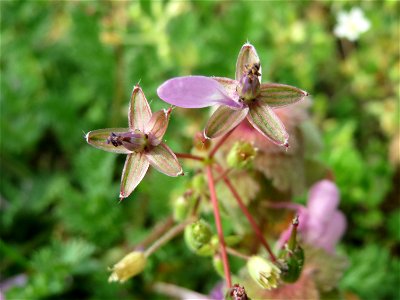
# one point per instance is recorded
(164, 160)
(157, 126)
(135, 168)
(194, 92)
(263, 118)
(278, 95)
(98, 139)
(223, 120)
(229, 85)
(247, 57)
(139, 110)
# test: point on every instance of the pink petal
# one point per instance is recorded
(327, 235)
(139, 110)
(157, 126)
(262, 117)
(135, 168)
(247, 57)
(278, 95)
(164, 160)
(223, 120)
(194, 92)
(98, 139)
(323, 200)
(229, 85)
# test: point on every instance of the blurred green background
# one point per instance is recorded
(68, 67)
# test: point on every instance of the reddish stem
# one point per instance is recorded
(218, 223)
(189, 156)
(243, 207)
(220, 143)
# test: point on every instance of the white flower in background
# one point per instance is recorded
(350, 25)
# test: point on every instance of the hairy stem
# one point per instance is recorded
(159, 230)
(249, 217)
(189, 156)
(170, 234)
(217, 217)
(220, 143)
(236, 253)
(174, 291)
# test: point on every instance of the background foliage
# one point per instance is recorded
(69, 67)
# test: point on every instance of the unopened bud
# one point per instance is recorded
(198, 237)
(263, 272)
(218, 265)
(291, 257)
(291, 264)
(131, 265)
(181, 207)
(199, 183)
(241, 155)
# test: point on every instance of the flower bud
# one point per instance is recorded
(131, 265)
(241, 155)
(291, 264)
(218, 265)
(198, 237)
(264, 272)
(181, 207)
(291, 257)
(199, 183)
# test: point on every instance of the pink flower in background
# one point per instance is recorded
(321, 223)
(142, 142)
(239, 98)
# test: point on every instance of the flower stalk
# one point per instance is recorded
(218, 223)
(246, 212)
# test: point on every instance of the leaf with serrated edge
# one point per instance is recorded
(164, 160)
(139, 110)
(278, 95)
(247, 56)
(135, 168)
(98, 139)
(157, 126)
(223, 120)
(263, 118)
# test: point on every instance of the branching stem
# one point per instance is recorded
(189, 156)
(169, 235)
(249, 217)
